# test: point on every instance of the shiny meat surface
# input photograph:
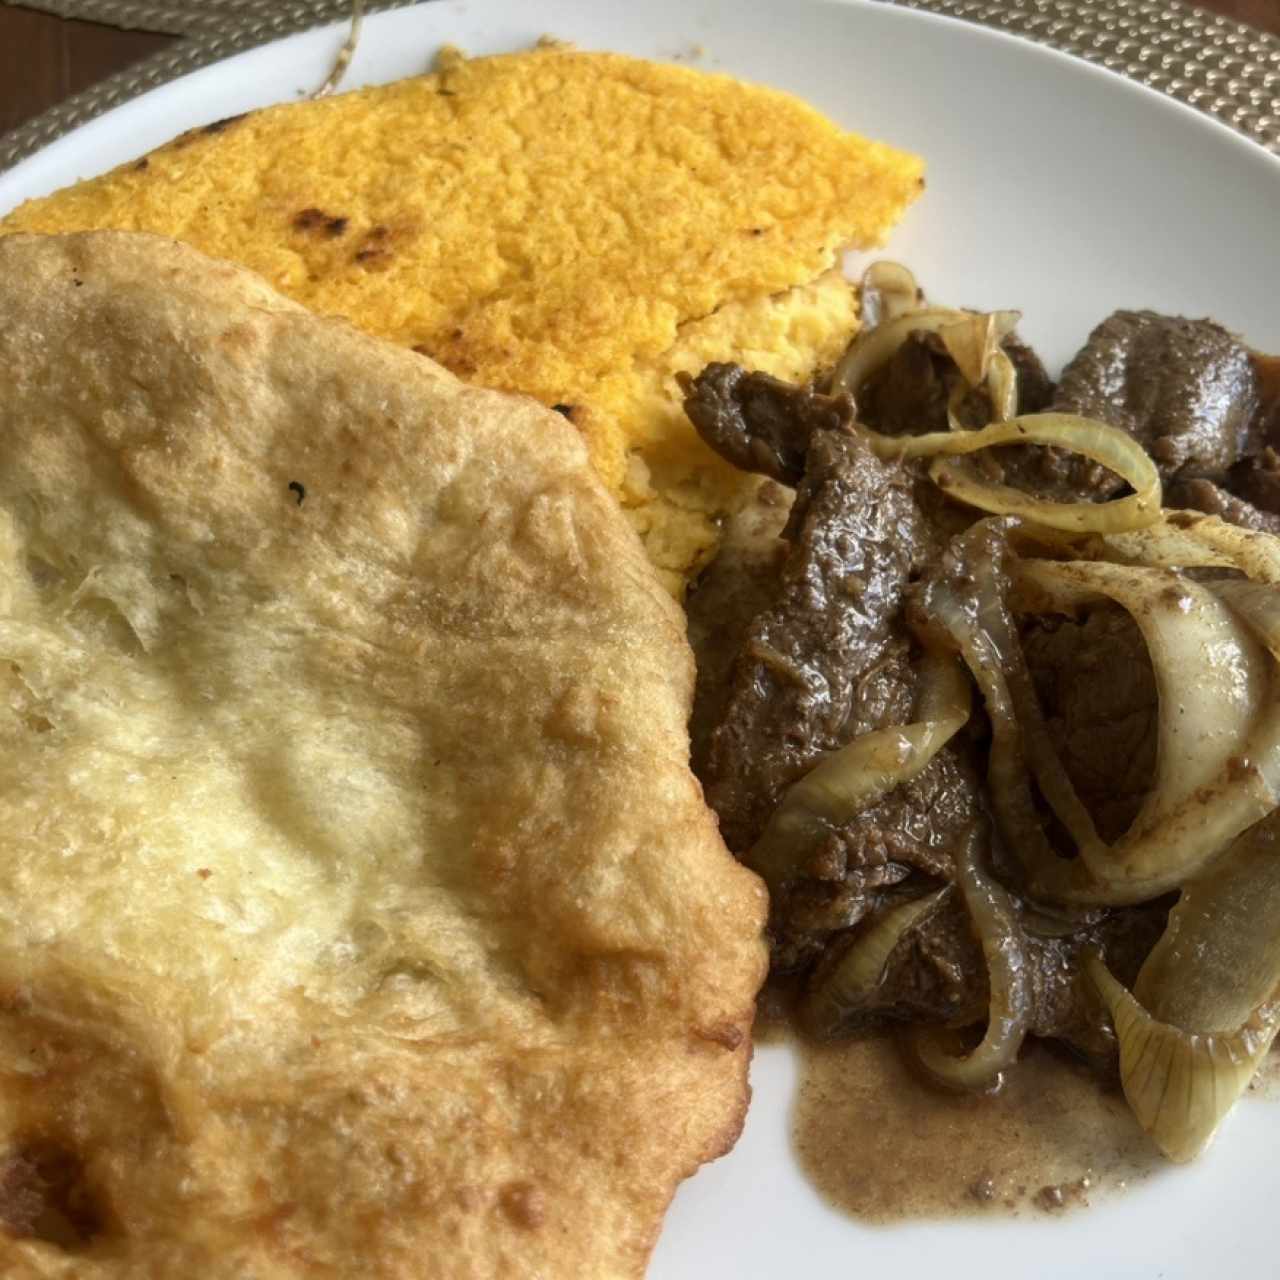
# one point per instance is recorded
(729, 594)
(1257, 480)
(1185, 389)
(758, 422)
(913, 831)
(808, 677)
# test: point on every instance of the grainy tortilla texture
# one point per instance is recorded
(359, 914)
(571, 225)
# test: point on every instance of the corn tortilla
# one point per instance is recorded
(571, 225)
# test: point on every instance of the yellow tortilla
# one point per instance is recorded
(570, 225)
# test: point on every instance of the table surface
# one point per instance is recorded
(44, 59)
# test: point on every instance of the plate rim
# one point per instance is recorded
(1169, 46)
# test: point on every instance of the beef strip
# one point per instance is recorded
(730, 592)
(1257, 481)
(760, 423)
(1065, 1006)
(1250, 493)
(810, 675)
(1214, 500)
(1186, 390)
(1035, 387)
(913, 831)
(909, 396)
(1097, 689)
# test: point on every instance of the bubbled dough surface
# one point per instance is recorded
(357, 902)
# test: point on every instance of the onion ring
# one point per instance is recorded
(995, 920)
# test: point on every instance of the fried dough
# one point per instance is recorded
(556, 222)
(361, 915)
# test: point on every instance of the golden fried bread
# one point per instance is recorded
(571, 225)
(361, 915)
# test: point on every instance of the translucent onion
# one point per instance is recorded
(1167, 545)
(852, 984)
(1113, 448)
(967, 606)
(853, 778)
(1181, 540)
(1180, 1084)
(888, 290)
(1219, 958)
(970, 337)
(973, 341)
(995, 920)
(1218, 708)
(1256, 554)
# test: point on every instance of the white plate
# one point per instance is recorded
(1053, 187)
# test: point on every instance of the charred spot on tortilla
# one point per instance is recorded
(313, 219)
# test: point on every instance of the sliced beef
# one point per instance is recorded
(1186, 390)
(937, 974)
(1053, 474)
(909, 396)
(1097, 689)
(1248, 496)
(729, 594)
(1266, 429)
(811, 675)
(913, 831)
(1257, 481)
(760, 423)
(1214, 500)
(1065, 1005)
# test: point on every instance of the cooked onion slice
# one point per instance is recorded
(1256, 554)
(1218, 706)
(1219, 958)
(1187, 540)
(850, 985)
(966, 606)
(1107, 445)
(972, 339)
(995, 920)
(887, 290)
(1180, 1084)
(858, 775)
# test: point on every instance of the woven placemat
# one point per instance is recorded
(194, 18)
(1222, 67)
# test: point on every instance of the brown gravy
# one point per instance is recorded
(884, 1146)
